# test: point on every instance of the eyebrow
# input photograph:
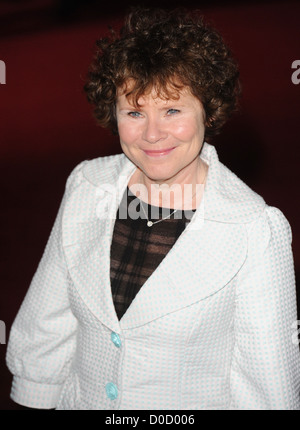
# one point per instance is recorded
(134, 108)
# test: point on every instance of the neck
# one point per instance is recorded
(183, 192)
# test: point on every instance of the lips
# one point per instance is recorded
(158, 152)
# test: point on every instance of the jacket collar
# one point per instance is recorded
(226, 198)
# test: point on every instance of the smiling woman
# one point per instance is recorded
(163, 138)
(192, 310)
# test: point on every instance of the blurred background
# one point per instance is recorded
(47, 126)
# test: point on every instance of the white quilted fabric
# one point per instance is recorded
(212, 328)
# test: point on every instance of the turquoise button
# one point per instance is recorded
(111, 391)
(116, 339)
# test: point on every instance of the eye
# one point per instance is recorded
(172, 111)
(134, 114)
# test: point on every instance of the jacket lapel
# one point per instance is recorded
(86, 244)
(202, 261)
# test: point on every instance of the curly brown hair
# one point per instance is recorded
(166, 50)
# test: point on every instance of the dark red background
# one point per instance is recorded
(46, 125)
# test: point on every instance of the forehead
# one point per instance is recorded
(153, 94)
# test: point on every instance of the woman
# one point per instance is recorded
(166, 283)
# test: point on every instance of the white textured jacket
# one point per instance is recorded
(212, 328)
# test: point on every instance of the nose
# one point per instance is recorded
(153, 131)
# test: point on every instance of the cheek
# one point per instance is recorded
(187, 131)
(127, 133)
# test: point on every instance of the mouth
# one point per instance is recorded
(158, 152)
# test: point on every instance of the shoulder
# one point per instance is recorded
(277, 220)
(271, 230)
(98, 171)
(227, 198)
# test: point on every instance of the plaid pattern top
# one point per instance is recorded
(137, 249)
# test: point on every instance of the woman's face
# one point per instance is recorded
(162, 138)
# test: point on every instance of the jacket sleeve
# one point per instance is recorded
(43, 336)
(265, 372)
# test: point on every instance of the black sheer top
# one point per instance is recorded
(136, 249)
